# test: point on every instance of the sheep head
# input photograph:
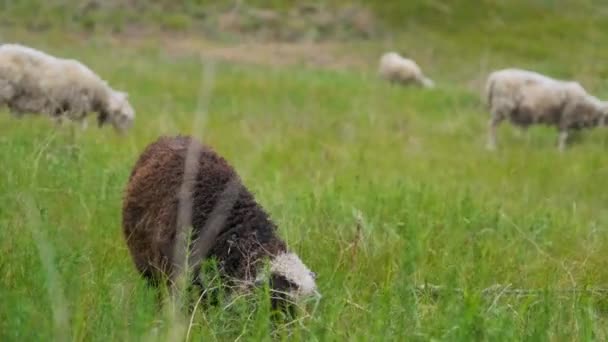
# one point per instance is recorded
(119, 112)
(291, 282)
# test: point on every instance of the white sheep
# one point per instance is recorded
(526, 98)
(32, 81)
(397, 69)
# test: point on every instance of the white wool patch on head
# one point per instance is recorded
(293, 269)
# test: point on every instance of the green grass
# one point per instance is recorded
(379, 189)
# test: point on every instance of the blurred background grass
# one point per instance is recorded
(379, 189)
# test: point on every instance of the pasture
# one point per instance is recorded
(381, 190)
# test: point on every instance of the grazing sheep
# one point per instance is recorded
(526, 98)
(397, 69)
(32, 81)
(179, 183)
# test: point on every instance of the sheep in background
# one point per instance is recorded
(32, 81)
(179, 183)
(527, 98)
(397, 69)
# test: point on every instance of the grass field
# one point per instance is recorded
(379, 189)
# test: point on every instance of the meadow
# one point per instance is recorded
(415, 231)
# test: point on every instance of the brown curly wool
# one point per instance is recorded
(243, 235)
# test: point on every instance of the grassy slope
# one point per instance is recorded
(379, 189)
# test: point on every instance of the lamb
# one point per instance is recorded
(32, 81)
(526, 98)
(227, 223)
(397, 69)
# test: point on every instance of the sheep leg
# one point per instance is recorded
(16, 113)
(84, 124)
(74, 132)
(198, 288)
(58, 120)
(7, 92)
(522, 133)
(562, 140)
(492, 127)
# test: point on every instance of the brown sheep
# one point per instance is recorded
(227, 223)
